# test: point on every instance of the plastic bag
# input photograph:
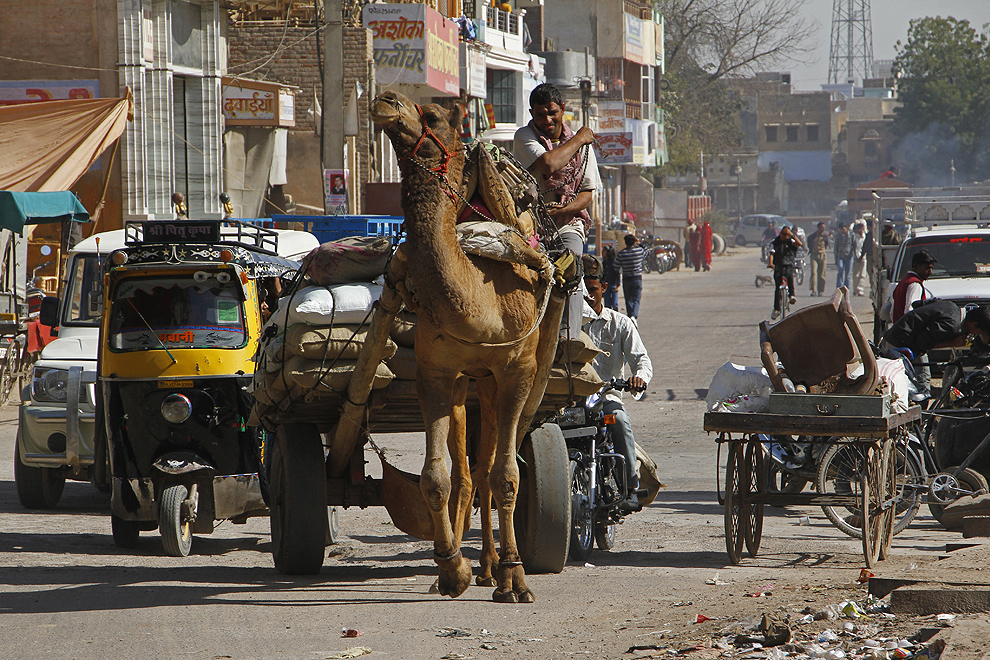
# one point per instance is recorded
(892, 372)
(736, 388)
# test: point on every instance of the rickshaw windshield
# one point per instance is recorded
(204, 311)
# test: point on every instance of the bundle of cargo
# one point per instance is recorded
(572, 372)
(311, 343)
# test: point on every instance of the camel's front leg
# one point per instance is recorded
(482, 471)
(461, 487)
(504, 479)
(435, 396)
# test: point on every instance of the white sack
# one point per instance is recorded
(892, 372)
(735, 388)
(323, 306)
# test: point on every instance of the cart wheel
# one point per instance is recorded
(175, 525)
(871, 489)
(757, 485)
(298, 484)
(736, 511)
(582, 513)
(542, 519)
(889, 493)
(8, 370)
(125, 532)
(839, 472)
(946, 488)
(605, 535)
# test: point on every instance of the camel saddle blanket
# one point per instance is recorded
(494, 240)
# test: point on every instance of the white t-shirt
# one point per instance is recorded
(527, 148)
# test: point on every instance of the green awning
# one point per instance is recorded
(34, 208)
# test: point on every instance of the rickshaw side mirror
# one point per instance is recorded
(49, 311)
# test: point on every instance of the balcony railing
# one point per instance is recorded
(500, 28)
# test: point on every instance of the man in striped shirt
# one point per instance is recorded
(630, 259)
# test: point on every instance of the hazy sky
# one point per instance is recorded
(890, 24)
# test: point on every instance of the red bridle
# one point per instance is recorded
(428, 133)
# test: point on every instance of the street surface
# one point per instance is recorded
(67, 592)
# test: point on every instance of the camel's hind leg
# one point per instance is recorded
(511, 396)
(435, 396)
(482, 471)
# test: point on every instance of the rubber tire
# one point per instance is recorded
(799, 278)
(299, 500)
(542, 518)
(968, 477)
(176, 533)
(582, 517)
(605, 535)
(125, 532)
(741, 240)
(718, 244)
(37, 487)
(333, 525)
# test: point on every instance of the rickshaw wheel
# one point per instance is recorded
(890, 490)
(736, 512)
(8, 371)
(871, 489)
(756, 467)
(175, 528)
(299, 514)
(125, 532)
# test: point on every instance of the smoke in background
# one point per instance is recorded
(926, 159)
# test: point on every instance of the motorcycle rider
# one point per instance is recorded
(616, 335)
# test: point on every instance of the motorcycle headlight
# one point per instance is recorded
(573, 417)
(176, 408)
(50, 385)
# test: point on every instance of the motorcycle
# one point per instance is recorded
(597, 472)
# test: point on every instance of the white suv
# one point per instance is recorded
(55, 440)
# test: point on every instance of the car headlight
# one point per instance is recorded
(50, 385)
(176, 408)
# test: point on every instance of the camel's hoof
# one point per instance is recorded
(455, 577)
(527, 597)
(505, 596)
(485, 581)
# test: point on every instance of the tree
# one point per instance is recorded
(943, 83)
(706, 41)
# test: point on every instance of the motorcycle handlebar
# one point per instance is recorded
(623, 385)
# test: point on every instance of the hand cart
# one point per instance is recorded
(873, 480)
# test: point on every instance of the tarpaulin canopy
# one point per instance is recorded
(31, 208)
(47, 146)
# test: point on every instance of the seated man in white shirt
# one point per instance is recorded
(616, 335)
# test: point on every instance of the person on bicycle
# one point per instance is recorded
(617, 337)
(783, 254)
(934, 324)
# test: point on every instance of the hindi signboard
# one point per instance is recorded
(256, 103)
(180, 231)
(414, 45)
(14, 92)
(614, 148)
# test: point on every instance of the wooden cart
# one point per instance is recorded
(747, 489)
(316, 459)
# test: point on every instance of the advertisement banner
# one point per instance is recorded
(634, 38)
(614, 148)
(414, 45)
(13, 92)
(611, 116)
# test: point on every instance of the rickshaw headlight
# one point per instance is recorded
(50, 385)
(176, 408)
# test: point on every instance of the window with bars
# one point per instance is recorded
(501, 90)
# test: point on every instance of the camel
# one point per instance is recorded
(477, 318)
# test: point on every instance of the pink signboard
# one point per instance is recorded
(443, 57)
(414, 45)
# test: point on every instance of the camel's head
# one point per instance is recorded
(404, 122)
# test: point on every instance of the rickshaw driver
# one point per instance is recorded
(616, 335)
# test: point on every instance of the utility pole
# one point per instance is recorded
(332, 133)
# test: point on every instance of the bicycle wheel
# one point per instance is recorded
(839, 473)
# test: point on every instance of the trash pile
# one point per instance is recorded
(312, 341)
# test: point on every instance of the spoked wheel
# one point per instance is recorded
(756, 471)
(299, 500)
(840, 472)
(175, 521)
(9, 370)
(889, 493)
(870, 552)
(736, 512)
(876, 519)
(582, 513)
(946, 487)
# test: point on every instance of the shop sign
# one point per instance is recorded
(611, 116)
(14, 92)
(415, 45)
(614, 148)
(634, 38)
(253, 103)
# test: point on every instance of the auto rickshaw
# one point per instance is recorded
(183, 311)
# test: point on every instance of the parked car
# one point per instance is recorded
(749, 230)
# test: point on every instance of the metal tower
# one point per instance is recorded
(851, 54)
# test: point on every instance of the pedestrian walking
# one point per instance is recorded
(696, 258)
(818, 255)
(613, 277)
(843, 257)
(706, 246)
(688, 234)
(630, 260)
(859, 258)
(566, 169)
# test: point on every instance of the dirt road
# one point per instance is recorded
(67, 592)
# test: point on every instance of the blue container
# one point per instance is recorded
(329, 228)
